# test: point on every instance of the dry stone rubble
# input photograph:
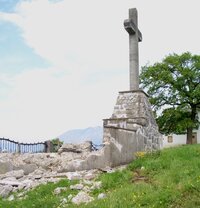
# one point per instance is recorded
(23, 172)
(17, 180)
(26, 171)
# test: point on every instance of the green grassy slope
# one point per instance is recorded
(168, 178)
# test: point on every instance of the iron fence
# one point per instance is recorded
(10, 146)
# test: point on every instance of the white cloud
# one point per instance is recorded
(85, 41)
(74, 33)
(42, 106)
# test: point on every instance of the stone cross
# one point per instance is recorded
(135, 36)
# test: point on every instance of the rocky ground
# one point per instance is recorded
(16, 180)
(23, 172)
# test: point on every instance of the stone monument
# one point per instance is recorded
(132, 127)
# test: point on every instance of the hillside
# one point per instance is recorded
(167, 178)
(94, 134)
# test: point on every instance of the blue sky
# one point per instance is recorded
(63, 62)
(15, 55)
(8, 5)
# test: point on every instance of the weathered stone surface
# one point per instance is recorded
(21, 194)
(70, 197)
(10, 181)
(107, 170)
(101, 196)
(74, 176)
(96, 185)
(90, 176)
(63, 202)
(76, 148)
(37, 177)
(28, 168)
(25, 183)
(77, 186)
(58, 190)
(39, 171)
(87, 182)
(15, 173)
(5, 190)
(86, 189)
(82, 197)
(94, 160)
(5, 167)
(11, 198)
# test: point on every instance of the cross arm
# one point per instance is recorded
(131, 28)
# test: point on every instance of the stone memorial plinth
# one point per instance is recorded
(131, 128)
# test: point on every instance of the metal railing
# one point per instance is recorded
(10, 146)
(96, 147)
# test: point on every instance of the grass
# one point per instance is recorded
(169, 178)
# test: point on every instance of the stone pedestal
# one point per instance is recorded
(131, 128)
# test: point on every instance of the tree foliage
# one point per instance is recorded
(56, 144)
(174, 89)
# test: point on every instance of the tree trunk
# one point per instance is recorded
(189, 135)
(190, 129)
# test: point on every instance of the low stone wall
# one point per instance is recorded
(123, 144)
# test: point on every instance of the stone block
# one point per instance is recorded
(5, 190)
(29, 168)
(5, 167)
(15, 173)
(76, 148)
(82, 197)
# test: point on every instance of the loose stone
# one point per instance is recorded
(82, 197)
(5, 190)
(101, 196)
(11, 198)
(96, 185)
(77, 187)
(58, 190)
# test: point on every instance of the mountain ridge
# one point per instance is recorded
(94, 134)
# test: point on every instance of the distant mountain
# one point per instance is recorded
(94, 134)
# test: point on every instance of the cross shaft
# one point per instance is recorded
(135, 36)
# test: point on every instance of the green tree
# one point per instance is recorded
(174, 89)
(56, 144)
